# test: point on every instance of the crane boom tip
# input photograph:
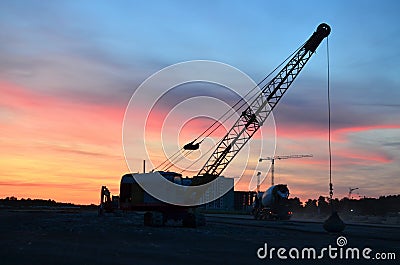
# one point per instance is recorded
(324, 28)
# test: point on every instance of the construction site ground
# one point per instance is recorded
(73, 236)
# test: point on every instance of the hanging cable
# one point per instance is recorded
(179, 159)
(243, 99)
(333, 224)
(171, 160)
(329, 122)
(230, 110)
(241, 106)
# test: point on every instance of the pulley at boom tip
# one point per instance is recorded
(323, 30)
(246, 126)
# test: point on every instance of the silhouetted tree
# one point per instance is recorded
(311, 206)
(295, 204)
(323, 206)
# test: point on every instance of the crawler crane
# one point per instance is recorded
(134, 197)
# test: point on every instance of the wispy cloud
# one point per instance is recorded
(67, 74)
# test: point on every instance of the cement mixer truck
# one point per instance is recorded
(272, 204)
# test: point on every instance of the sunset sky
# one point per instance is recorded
(69, 68)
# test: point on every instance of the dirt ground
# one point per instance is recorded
(81, 237)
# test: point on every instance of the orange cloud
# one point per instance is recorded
(49, 139)
(53, 147)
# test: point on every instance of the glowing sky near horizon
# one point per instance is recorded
(69, 68)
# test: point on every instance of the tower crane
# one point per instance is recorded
(351, 191)
(254, 116)
(279, 157)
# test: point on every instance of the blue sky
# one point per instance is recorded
(260, 34)
(98, 52)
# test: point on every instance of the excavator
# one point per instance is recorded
(107, 203)
(133, 197)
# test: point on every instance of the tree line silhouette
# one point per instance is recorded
(15, 202)
(384, 205)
